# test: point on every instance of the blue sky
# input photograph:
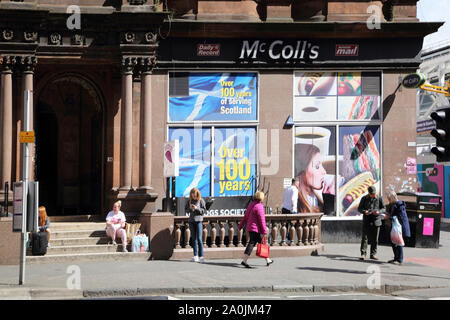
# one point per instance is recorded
(433, 11)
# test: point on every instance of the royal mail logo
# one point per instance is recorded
(347, 50)
(208, 50)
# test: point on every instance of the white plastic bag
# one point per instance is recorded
(396, 233)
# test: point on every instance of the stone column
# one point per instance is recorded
(27, 65)
(127, 123)
(6, 120)
(146, 109)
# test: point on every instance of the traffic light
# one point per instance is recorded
(442, 134)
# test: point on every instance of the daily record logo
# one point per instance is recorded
(279, 49)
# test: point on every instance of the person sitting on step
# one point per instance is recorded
(115, 225)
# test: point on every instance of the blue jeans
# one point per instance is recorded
(196, 235)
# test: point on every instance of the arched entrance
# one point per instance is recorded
(69, 135)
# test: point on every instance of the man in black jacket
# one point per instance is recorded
(373, 210)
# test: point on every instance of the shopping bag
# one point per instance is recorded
(131, 229)
(262, 249)
(396, 233)
(136, 244)
(144, 244)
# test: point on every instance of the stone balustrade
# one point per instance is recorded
(303, 230)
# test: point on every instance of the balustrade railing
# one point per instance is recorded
(222, 231)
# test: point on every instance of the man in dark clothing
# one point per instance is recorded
(373, 210)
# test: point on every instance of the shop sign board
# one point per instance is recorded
(218, 206)
(413, 80)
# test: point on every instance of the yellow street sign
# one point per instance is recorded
(26, 136)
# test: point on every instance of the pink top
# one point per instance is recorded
(254, 218)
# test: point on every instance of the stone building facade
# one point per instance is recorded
(104, 103)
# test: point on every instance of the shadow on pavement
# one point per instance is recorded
(351, 259)
(332, 270)
(224, 264)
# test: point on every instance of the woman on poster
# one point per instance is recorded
(313, 182)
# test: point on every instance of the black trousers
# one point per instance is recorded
(254, 239)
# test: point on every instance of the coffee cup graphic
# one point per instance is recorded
(317, 136)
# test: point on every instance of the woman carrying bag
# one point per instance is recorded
(397, 210)
(255, 222)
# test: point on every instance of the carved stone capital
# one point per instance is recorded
(128, 64)
(26, 63)
(8, 63)
(147, 64)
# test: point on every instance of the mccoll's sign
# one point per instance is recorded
(279, 50)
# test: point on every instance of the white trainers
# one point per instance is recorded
(202, 259)
(194, 259)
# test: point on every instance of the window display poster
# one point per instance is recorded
(337, 96)
(194, 160)
(216, 97)
(314, 165)
(360, 165)
(234, 161)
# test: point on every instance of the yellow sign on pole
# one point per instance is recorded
(26, 136)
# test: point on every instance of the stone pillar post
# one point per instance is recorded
(127, 123)
(146, 109)
(6, 121)
(27, 65)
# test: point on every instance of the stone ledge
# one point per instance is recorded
(237, 252)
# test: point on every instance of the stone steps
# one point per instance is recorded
(86, 257)
(83, 249)
(77, 234)
(73, 226)
(83, 241)
(79, 241)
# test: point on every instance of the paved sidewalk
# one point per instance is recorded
(337, 269)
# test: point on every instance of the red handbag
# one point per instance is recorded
(262, 249)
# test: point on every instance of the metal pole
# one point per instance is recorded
(6, 198)
(25, 164)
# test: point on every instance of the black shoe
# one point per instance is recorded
(246, 265)
(269, 263)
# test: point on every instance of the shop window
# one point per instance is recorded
(330, 96)
(213, 97)
(195, 160)
(360, 165)
(234, 161)
(315, 156)
(315, 166)
(207, 98)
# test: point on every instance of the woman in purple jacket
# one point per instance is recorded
(255, 225)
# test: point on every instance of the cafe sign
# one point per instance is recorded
(413, 80)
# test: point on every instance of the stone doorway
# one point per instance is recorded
(69, 146)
